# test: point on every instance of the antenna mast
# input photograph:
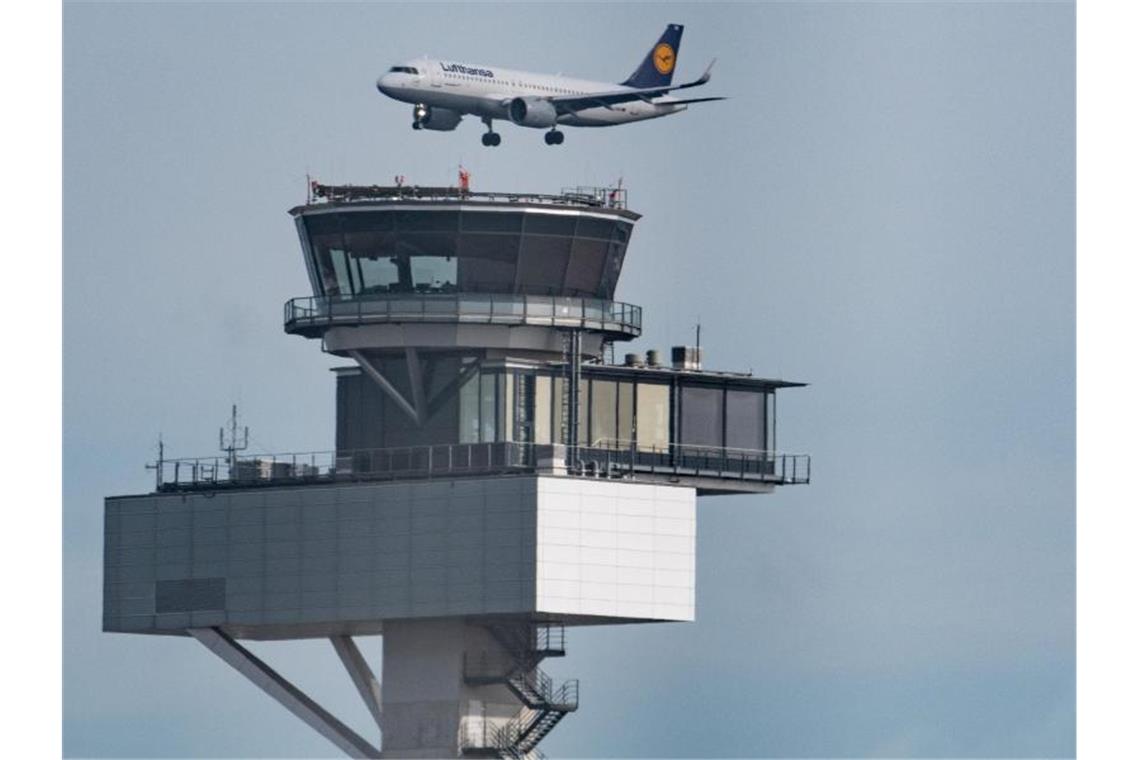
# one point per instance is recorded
(157, 466)
(235, 444)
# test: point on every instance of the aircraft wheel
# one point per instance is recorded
(417, 125)
(487, 138)
(558, 138)
(495, 138)
(553, 137)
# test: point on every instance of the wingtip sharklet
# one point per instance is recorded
(708, 72)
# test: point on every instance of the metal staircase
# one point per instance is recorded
(544, 706)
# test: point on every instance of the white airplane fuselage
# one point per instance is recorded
(485, 91)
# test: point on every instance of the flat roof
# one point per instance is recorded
(609, 201)
(738, 379)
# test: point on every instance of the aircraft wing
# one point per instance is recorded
(572, 103)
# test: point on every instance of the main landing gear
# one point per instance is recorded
(491, 137)
(554, 137)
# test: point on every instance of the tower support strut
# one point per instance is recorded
(291, 698)
(361, 675)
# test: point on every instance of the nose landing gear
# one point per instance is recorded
(420, 114)
(554, 137)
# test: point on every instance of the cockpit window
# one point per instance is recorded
(404, 70)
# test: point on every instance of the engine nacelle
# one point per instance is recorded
(440, 119)
(532, 112)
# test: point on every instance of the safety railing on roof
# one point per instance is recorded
(620, 320)
(676, 462)
(590, 197)
(362, 464)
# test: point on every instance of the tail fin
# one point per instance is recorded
(657, 68)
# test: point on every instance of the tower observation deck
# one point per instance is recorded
(493, 479)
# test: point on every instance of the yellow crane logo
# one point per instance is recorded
(664, 58)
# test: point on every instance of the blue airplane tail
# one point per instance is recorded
(657, 68)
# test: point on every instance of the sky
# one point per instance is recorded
(884, 208)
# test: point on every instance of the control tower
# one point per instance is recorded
(497, 478)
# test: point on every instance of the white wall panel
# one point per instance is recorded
(634, 543)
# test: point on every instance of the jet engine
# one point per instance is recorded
(440, 119)
(532, 112)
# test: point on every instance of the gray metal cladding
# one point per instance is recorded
(190, 595)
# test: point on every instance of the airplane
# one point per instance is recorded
(442, 92)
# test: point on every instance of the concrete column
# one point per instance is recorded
(427, 708)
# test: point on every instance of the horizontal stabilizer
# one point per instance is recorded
(691, 100)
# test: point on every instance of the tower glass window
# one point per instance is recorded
(363, 252)
(652, 417)
(603, 413)
(625, 413)
(469, 410)
(488, 403)
(744, 420)
(702, 416)
(542, 397)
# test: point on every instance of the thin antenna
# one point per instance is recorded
(157, 466)
(699, 358)
(235, 444)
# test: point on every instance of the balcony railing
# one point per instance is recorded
(316, 313)
(693, 461)
(712, 469)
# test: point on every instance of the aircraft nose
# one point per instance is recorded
(384, 83)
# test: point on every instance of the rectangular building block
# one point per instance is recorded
(321, 560)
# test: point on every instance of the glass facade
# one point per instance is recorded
(625, 421)
(650, 413)
(744, 420)
(603, 415)
(542, 409)
(702, 416)
(469, 410)
(488, 406)
(652, 417)
(483, 415)
(371, 252)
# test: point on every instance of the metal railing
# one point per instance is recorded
(691, 460)
(589, 197)
(550, 638)
(361, 464)
(460, 459)
(621, 319)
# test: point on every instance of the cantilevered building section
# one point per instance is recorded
(494, 480)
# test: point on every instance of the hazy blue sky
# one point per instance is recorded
(884, 209)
